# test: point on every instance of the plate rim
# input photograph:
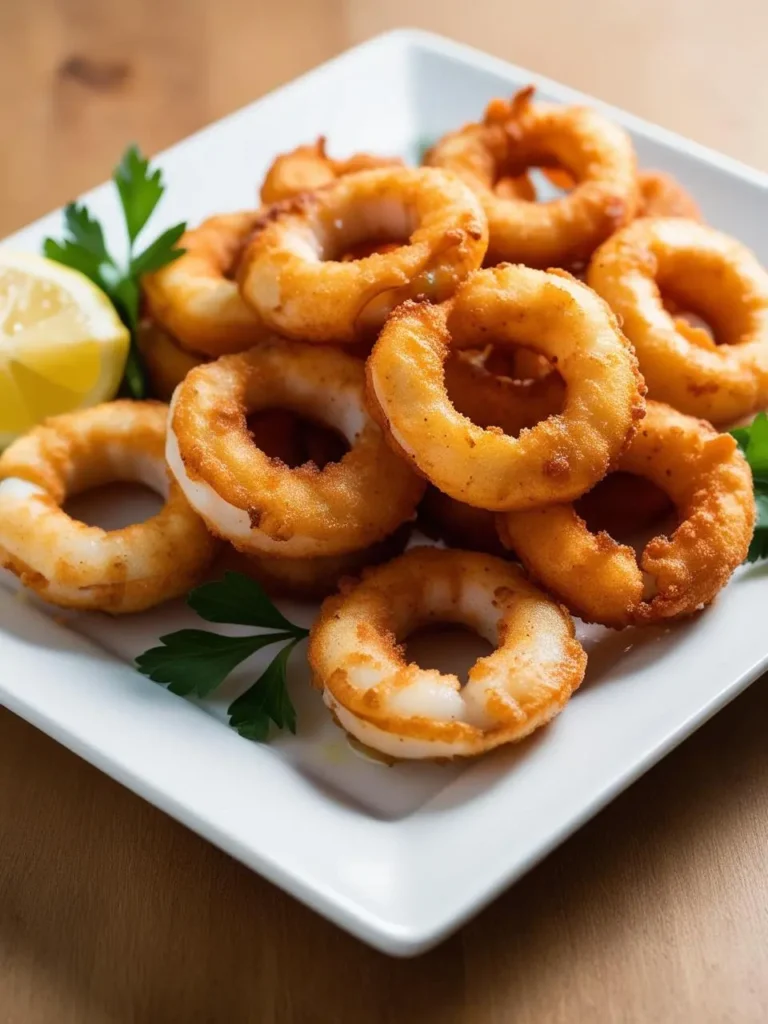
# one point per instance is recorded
(404, 938)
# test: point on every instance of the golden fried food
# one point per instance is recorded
(661, 195)
(708, 480)
(166, 363)
(492, 400)
(260, 504)
(519, 134)
(720, 378)
(283, 435)
(309, 167)
(521, 364)
(405, 711)
(306, 579)
(196, 299)
(559, 458)
(489, 401)
(519, 187)
(77, 566)
(292, 275)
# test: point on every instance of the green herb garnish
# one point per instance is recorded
(193, 662)
(753, 441)
(83, 248)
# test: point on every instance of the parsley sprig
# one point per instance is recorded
(193, 662)
(753, 441)
(83, 248)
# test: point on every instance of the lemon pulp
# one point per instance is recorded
(62, 344)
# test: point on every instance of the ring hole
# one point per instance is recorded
(509, 389)
(371, 226)
(296, 440)
(682, 315)
(629, 508)
(451, 649)
(114, 506)
(536, 185)
(365, 249)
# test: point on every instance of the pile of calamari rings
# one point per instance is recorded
(526, 348)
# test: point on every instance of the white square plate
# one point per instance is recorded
(399, 856)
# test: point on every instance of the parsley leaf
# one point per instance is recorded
(140, 190)
(267, 700)
(85, 231)
(239, 600)
(193, 662)
(75, 256)
(160, 252)
(742, 435)
(758, 549)
(83, 248)
(753, 441)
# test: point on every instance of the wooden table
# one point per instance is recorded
(111, 912)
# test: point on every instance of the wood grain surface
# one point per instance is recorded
(111, 912)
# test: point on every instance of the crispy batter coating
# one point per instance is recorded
(708, 273)
(196, 299)
(77, 566)
(559, 458)
(309, 167)
(518, 134)
(311, 579)
(165, 361)
(662, 195)
(293, 275)
(710, 484)
(489, 400)
(258, 503)
(409, 712)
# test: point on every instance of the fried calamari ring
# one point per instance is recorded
(519, 134)
(309, 167)
(710, 274)
(77, 566)
(522, 364)
(710, 484)
(488, 400)
(519, 187)
(196, 299)
(491, 400)
(661, 195)
(621, 505)
(409, 712)
(293, 277)
(166, 362)
(307, 579)
(556, 460)
(261, 505)
(282, 435)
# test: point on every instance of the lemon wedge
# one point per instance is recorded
(62, 344)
